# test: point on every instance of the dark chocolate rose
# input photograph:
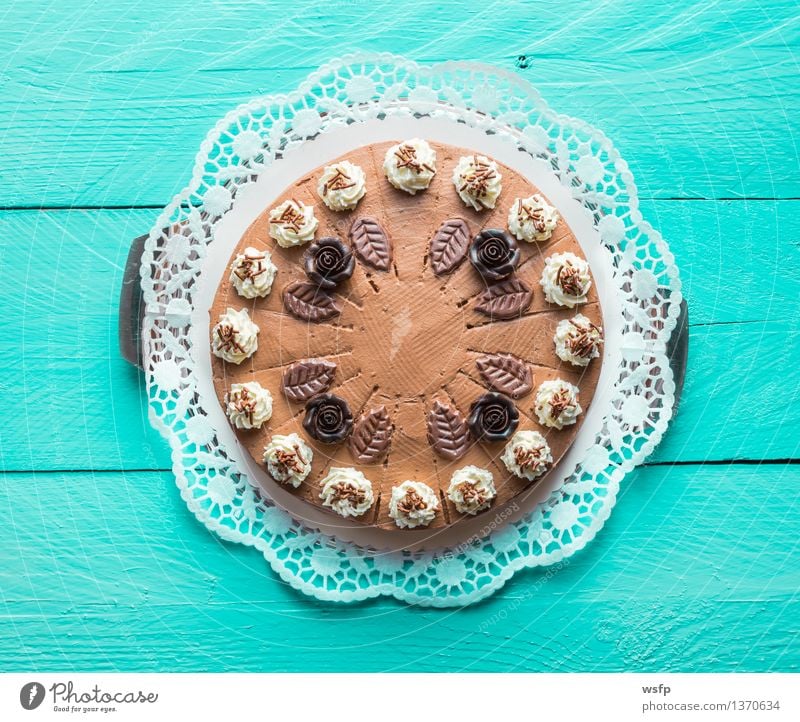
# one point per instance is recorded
(328, 262)
(494, 254)
(493, 417)
(328, 419)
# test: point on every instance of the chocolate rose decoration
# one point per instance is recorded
(494, 254)
(328, 419)
(328, 262)
(493, 417)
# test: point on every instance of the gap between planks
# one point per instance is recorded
(158, 207)
(645, 465)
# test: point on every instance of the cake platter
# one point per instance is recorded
(265, 146)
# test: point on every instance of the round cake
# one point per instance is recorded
(408, 336)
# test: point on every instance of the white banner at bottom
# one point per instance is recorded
(398, 697)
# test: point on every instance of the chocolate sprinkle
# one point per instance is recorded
(561, 401)
(349, 493)
(338, 182)
(528, 458)
(411, 502)
(250, 267)
(584, 343)
(291, 217)
(227, 336)
(246, 404)
(290, 461)
(569, 279)
(407, 158)
(472, 495)
(476, 183)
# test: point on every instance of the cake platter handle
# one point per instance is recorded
(131, 316)
(678, 352)
(131, 306)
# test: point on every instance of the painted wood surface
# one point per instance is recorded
(109, 571)
(102, 108)
(108, 105)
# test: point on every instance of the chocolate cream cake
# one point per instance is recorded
(407, 336)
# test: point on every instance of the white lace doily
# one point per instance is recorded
(360, 90)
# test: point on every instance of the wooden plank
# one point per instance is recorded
(91, 413)
(63, 270)
(568, 635)
(108, 106)
(675, 582)
(74, 402)
(738, 260)
(740, 398)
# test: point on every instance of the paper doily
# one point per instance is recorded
(353, 90)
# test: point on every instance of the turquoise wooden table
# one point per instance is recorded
(103, 106)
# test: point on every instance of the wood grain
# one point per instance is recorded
(108, 106)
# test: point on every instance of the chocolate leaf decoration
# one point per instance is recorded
(371, 243)
(309, 302)
(505, 373)
(371, 436)
(507, 299)
(449, 246)
(305, 379)
(448, 432)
